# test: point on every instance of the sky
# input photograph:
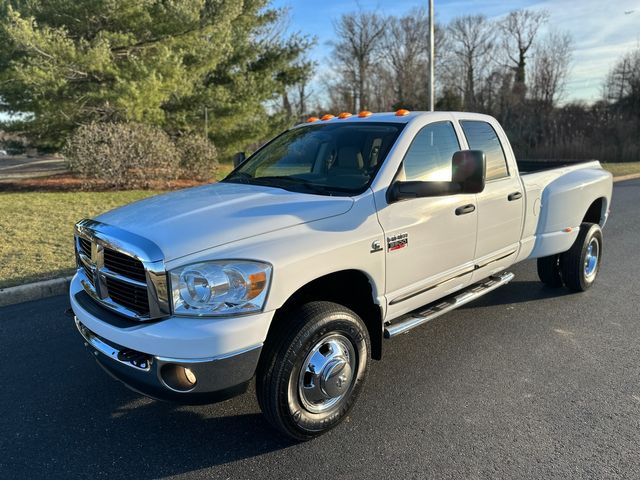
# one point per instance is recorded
(600, 29)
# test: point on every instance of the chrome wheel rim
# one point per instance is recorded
(327, 373)
(591, 259)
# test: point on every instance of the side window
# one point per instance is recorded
(430, 153)
(482, 136)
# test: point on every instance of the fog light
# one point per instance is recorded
(191, 377)
(177, 377)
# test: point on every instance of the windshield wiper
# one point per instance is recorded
(238, 176)
(275, 181)
(286, 182)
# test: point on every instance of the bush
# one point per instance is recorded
(123, 154)
(198, 157)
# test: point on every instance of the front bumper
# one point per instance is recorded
(215, 379)
(221, 353)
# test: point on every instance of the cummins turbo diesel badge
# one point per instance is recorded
(397, 242)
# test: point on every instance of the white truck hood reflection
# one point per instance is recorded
(192, 220)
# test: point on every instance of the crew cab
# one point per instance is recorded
(334, 237)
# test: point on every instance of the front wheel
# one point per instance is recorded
(581, 264)
(313, 369)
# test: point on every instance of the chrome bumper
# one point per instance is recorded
(217, 378)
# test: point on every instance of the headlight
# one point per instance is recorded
(220, 287)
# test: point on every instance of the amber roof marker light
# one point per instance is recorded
(402, 112)
(328, 116)
(344, 115)
(312, 119)
(365, 114)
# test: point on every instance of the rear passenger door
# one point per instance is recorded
(500, 205)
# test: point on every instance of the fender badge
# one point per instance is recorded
(376, 246)
(398, 241)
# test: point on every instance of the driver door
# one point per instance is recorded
(430, 242)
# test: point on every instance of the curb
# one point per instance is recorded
(34, 291)
(622, 178)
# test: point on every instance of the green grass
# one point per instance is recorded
(223, 170)
(619, 169)
(36, 230)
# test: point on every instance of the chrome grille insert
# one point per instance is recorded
(131, 296)
(124, 265)
(121, 271)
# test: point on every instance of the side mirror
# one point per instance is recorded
(468, 176)
(238, 158)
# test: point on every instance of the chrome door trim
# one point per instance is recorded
(422, 290)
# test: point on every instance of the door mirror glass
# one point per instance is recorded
(468, 176)
(468, 170)
(239, 158)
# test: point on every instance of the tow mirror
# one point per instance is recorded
(468, 176)
(238, 158)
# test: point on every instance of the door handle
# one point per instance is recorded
(514, 196)
(465, 209)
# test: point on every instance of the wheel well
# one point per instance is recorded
(595, 211)
(350, 288)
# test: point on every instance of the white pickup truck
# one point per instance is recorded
(336, 235)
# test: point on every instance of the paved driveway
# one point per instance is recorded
(19, 167)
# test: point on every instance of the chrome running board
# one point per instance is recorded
(440, 307)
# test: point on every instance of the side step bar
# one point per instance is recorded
(440, 307)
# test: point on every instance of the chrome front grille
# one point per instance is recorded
(121, 271)
(131, 296)
(124, 265)
(84, 247)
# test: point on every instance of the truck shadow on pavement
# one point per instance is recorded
(517, 292)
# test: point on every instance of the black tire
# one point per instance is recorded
(549, 271)
(573, 263)
(280, 384)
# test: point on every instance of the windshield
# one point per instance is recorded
(326, 159)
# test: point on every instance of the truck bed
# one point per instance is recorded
(527, 167)
(557, 199)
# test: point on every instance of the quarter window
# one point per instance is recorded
(429, 156)
(482, 136)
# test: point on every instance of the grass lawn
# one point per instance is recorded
(619, 169)
(223, 170)
(36, 229)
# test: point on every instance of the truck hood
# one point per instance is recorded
(192, 220)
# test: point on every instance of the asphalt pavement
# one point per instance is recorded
(16, 167)
(527, 382)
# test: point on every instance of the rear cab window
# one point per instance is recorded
(482, 136)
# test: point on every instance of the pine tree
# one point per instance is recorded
(65, 63)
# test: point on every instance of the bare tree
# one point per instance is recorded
(406, 54)
(623, 80)
(405, 50)
(519, 29)
(472, 42)
(359, 40)
(551, 61)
